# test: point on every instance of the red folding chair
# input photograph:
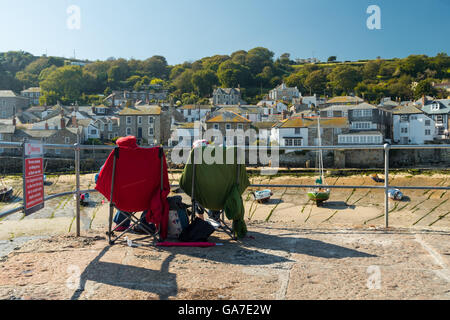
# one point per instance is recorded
(135, 179)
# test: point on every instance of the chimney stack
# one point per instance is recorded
(63, 123)
(74, 120)
(14, 121)
(46, 125)
(424, 100)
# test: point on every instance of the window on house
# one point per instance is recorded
(367, 113)
(240, 126)
(93, 131)
(361, 125)
(427, 123)
(427, 132)
(128, 120)
(297, 130)
(128, 131)
(150, 131)
(139, 120)
(404, 118)
(228, 126)
(110, 126)
(151, 120)
(189, 112)
(110, 136)
(216, 126)
(297, 142)
(288, 142)
(404, 130)
(66, 140)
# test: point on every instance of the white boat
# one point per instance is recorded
(395, 194)
(262, 195)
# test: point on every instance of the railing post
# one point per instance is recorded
(77, 179)
(387, 147)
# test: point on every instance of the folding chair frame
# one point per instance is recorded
(222, 224)
(131, 215)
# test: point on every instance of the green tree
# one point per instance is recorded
(425, 87)
(183, 82)
(316, 81)
(257, 58)
(67, 82)
(48, 98)
(203, 82)
(156, 67)
(332, 58)
(344, 78)
(214, 62)
(232, 74)
(371, 69)
(413, 65)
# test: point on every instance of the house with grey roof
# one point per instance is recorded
(282, 92)
(228, 96)
(362, 117)
(32, 94)
(412, 126)
(10, 104)
(439, 111)
(143, 122)
(62, 136)
(228, 124)
(251, 112)
(192, 112)
(183, 134)
(6, 134)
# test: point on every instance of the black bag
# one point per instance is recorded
(198, 231)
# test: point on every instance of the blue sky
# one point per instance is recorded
(187, 30)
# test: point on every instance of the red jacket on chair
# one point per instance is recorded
(137, 182)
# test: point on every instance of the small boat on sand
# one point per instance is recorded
(263, 195)
(320, 193)
(395, 194)
(6, 194)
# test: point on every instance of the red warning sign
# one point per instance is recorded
(33, 179)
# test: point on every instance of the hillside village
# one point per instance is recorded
(285, 117)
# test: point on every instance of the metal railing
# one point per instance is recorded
(77, 147)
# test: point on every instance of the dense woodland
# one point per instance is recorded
(256, 72)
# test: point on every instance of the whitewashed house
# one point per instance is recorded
(183, 134)
(412, 126)
(282, 92)
(439, 111)
(193, 113)
(290, 132)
